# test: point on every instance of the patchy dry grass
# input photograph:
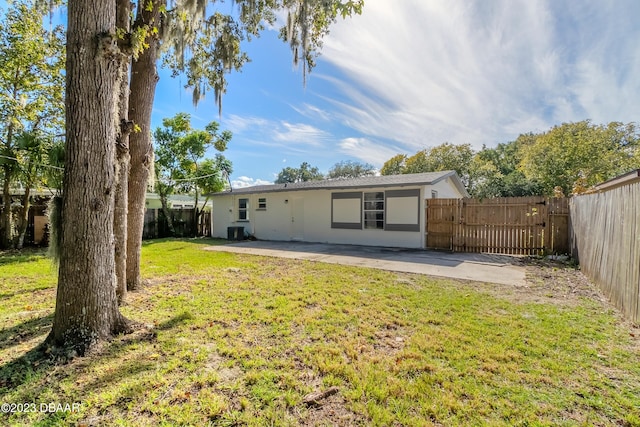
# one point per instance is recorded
(237, 340)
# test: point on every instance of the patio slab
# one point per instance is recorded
(487, 268)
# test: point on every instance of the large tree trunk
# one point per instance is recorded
(86, 305)
(123, 9)
(144, 78)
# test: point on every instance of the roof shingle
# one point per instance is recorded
(367, 181)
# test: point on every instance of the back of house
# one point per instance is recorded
(375, 211)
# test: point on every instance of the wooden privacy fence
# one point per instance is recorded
(509, 225)
(605, 238)
(155, 223)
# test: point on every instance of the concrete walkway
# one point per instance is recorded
(478, 267)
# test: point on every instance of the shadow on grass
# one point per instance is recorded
(174, 321)
(25, 331)
(22, 255)
(24, 291)
(41, 360)
(19, 371)
(205, 241)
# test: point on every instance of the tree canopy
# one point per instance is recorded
(442, 157)
(350, 169)
(180, 163)
(567, 159)
(305, 172)
(31, 106)
(576, 156)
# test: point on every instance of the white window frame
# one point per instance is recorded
(374, 207)
(243, 211)
(262, 203)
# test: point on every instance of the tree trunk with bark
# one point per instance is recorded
(144, 78)
(86, 304)
(123, 9)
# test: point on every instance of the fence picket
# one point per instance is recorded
(517, 225)
(605, 238)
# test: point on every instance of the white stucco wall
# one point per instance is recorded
(446, 190)
(306, 215)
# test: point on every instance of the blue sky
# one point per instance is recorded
(410, 74)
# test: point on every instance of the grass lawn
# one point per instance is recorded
(236, 340)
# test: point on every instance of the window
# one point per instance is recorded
(402, 210)
(346, 210)
(262, 203)
(243, 208)
(374, 210)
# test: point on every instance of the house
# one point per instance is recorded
(625, 179)
(176, 201)
(180, 205)
(182, 211)
(375, 211)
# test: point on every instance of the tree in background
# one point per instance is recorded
(305, 172)
(497, 171)
(38, 168)
(196, 39)
(31, 104)
(395, 165)
(210, 177)
(180, 167)
(568, 159)
(442, 157)
(576, 156)
(350, 169)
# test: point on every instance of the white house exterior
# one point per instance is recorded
(175, 201)
(374, 211)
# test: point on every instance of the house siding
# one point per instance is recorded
(324, 215)
(280, 222)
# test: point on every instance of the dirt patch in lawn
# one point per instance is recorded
(549, 282)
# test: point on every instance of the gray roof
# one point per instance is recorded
(627, 178)
(347, 183)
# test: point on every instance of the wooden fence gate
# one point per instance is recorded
(509, 225)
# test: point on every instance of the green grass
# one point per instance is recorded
(237, 340)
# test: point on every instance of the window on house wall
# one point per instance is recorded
(243, 209)
(374, 210)
(262, 203)
(402, 210)
(346, 210)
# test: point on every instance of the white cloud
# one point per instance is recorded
(423, 72)
(299, 133)
(278, 134)
(239, 124)
(367, 151)
(245, 181)
(312, 112)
